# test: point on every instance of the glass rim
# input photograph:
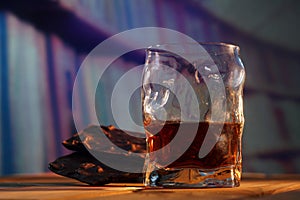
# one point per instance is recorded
(210, 47)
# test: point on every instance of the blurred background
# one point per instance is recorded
(43, 43)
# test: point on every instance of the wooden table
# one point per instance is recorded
(50, 186)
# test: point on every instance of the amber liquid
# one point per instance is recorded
(225, 152)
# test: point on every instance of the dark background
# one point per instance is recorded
(43, 43)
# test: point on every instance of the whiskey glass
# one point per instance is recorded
(192, 104)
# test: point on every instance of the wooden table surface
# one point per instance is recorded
(51, 186)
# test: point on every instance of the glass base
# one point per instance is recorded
(194, 177)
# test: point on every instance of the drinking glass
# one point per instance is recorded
(192, 103)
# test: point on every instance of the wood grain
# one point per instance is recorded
(50, 186)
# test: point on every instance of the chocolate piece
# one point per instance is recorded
(82, 166)
(85, 168)
(90, 138)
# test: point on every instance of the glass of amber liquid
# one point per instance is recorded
(192, 101)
